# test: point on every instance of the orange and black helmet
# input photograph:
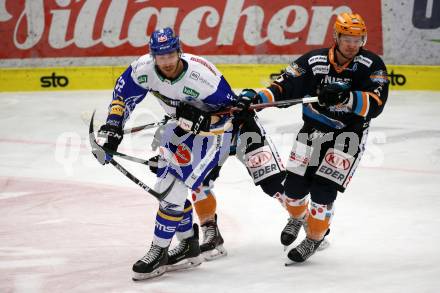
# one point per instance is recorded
(350, 24)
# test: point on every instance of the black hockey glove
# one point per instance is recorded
(112, 137)
(153, 163)
(192, 119)
(333, 94)
(244, 101)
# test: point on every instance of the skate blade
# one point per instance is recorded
(185, 264)
(290, 263)
(324, 244)
(156, 273)
(216, 253)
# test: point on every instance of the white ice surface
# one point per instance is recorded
(69, 224)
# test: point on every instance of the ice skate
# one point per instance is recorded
(212, 246)
(152, 265)
(186, 254)
(290, 231)
(305, 250)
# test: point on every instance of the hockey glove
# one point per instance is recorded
(112, 137)
(153, 163)
(333, 94)
(192, 119)
(244, 101)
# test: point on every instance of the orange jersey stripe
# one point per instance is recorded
(268, 94)
(278, 86)
(365, 102)
(376, 97)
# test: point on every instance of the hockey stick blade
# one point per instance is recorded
(95, 145)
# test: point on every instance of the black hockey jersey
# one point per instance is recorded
(366, 74)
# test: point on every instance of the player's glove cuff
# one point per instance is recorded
(110, 137)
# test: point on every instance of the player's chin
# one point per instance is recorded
(350, 55)
(169, 69)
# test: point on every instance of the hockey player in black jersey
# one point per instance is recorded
(352, 86)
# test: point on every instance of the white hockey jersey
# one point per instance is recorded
(200, 84)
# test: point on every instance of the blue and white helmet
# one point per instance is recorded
(164, 41)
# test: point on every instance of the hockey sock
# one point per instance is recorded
(184, 229)
(297, 207)
(318, 220)
(205, 204)
(165, 227)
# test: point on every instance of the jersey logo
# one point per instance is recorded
(204, 63)
(363, 60)
(336, 166)
(332, 79)
(294, 70)
(379, 76)
(259, 159)
(321, 69)
(183, 155)
(190, 92)
(194, 75)
(142, 79)
(338, 161)
(317, 58)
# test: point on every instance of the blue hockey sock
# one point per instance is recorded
(165, 228)
(184, 229)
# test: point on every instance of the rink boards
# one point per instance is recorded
(402, 77)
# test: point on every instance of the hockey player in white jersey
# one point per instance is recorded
(256, 151)
(190, 89)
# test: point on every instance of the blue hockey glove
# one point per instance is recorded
(112, 136)
(333, 94)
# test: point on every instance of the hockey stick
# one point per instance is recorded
(85, 118)
(226, 111)
(158, 195)
(147, 126)
(285, 103)
(126, 157)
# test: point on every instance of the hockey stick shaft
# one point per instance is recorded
(227, 111)
(230, 110)
(147, 126)
(158, 195)
(285, 103)
(126, 157)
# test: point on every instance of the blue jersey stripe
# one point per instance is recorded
(358, 102)
(222, 97)
(315, 115)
